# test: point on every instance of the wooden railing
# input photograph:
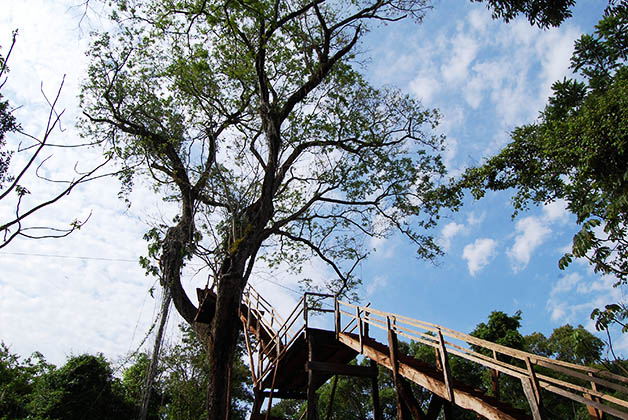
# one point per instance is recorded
(282, 332)
(514, 363)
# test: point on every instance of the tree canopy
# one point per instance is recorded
(577, 152)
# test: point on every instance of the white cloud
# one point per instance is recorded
(479, 254)
(475, 219)
(554, 49)
(450, 230)
(424, 88)
(556, 211)
(531, 233)
(378, 283)
(479, 20)
(566, 284)
(464, 52)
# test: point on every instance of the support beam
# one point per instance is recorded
(312, 397)
(528, 390)
(341, 369)
(410, 402)
(445, 368)
(433, 409)
(402, 412)
(594, 413)
(377, 411)
(331, 397)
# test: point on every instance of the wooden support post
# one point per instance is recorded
(433, 410)
(272, 388)
(331, 397)
(448, 410)
(360, 331)
(377, 412)
(495, 378)
(312, 398)
(394, 363)
(528, 390)
(257, 403)
(249, 350)
(594, 413)
(445, 368)
(411, 405)
(534, 381)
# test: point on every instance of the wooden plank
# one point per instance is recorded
(341, 369)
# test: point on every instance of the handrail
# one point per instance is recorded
(420, 332)
(281, 332)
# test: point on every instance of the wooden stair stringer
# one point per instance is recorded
(464, 398)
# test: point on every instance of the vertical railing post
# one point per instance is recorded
(337, 317)
(358, 319)
(305, 309)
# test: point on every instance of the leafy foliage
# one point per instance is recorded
(577, 152)
(85, 386)
(543, 13)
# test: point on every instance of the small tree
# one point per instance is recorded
(12, 180)
(251, 116)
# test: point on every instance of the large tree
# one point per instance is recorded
(251, 116)
(577, 151)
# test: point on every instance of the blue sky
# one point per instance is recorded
(485, 77)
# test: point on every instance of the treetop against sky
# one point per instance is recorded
(484, 76)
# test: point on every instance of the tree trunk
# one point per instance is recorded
(224, 335)
(152, 370)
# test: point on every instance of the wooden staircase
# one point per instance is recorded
(289, 358)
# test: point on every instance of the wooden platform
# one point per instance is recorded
(291, 377)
